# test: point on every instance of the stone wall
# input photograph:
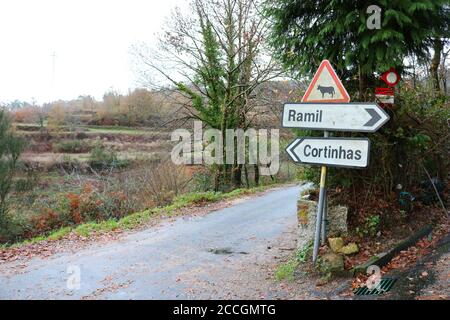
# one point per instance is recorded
(306, 216)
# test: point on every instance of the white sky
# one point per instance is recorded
(91, 39)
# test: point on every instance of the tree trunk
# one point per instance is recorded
(435, 62)
(227, 179)
(246, 176)
(255, 166)
(237, 175)
(217, 179)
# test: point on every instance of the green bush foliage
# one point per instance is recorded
(10, 149)
(71, 146)
(416, 137)
(102, 159)
(65, 209)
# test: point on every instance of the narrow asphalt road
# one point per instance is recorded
(219, 255)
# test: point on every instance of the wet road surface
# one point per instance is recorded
(218, 255)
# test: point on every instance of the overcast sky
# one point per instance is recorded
(90, 38)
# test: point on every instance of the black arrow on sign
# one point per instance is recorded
(375, 117)
(290, 149)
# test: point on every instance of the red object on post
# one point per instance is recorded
(384, 96)
(384, 91)
(391, 77)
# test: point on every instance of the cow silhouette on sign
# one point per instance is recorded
(323, 90)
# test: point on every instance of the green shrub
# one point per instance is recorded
(101, 158)
(304, 253)
(70, 146)
(23, 184)
(14, 227)
(203, 180)
(29, 182)
(370, 226)
(10, 149)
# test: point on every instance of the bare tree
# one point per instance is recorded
(216, 57)
(444, 68)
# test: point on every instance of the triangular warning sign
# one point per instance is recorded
(326, 86)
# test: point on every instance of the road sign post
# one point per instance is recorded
(324, 209)
(324, 87)
(324, 218)
(320, 212)
(325, 106)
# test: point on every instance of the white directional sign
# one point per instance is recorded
(359, 117)
(336, 152)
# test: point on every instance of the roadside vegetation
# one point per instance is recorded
(84, 178)
(10, 149)
(139, 219)
(406, 185)
(286, 270)
(91, 165)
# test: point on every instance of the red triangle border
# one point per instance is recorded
(326, 64)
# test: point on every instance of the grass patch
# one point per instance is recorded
(305, 253)
(118, 129)
(137, 219)
(238, 192)
(196, 198)
(31, 241)
(242, 191)
(286, 270)
(89, 228)
(59, 234)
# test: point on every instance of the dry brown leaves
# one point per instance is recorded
(73, 242)
(44, 249)
(412, 254)
(432, 297)
(407, 258)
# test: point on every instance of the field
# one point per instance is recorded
(70, 176)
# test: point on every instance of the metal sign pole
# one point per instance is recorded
(324, 212)
(323, 175)
(324, 219)
(320, 223)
